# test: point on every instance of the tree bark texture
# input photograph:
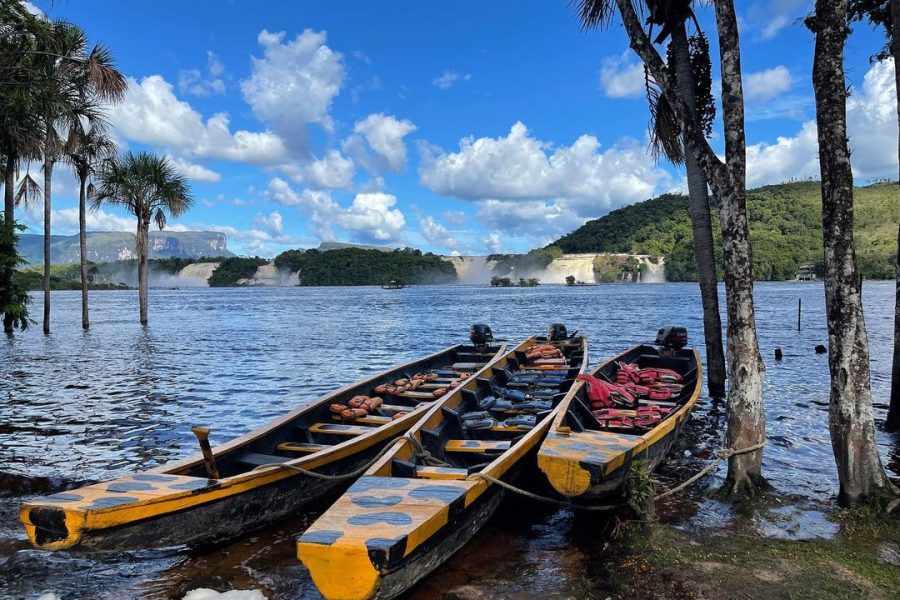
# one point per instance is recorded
(48, 177)
(82, 241)
(850, 416)
(746, 413)
(9, 204)
(143, 232)
(893, 419)
(701, 226)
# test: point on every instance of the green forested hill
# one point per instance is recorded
(785, 230)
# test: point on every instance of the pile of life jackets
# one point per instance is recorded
(412, 383)
(543, 351)
(632, 384)
(357, 407)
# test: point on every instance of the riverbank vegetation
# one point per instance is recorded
(785, 229)
(359, 266)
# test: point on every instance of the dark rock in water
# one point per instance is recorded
(778, 353)
(820, 349)
(466, 592)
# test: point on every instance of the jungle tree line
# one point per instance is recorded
(55, 92)
(678, 91)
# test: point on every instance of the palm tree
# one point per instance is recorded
(70, 82)
(86, 150)
(746, 414)
(152, 189)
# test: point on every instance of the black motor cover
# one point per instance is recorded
(672, 337)
(557, 332)
(481, 334)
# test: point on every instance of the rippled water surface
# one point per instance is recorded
(78, 407)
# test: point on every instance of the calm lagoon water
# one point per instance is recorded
(78, 407)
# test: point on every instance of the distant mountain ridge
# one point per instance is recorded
(785, 231)
(110, 246)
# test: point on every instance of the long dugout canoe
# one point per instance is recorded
(180, 503)
(425, 499)
(589, 462)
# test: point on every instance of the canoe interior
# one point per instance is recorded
(579, 415)
(315, 428)
(588, 460)
(424, 499)
(178, 503)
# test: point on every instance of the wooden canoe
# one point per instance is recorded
(178, 503)
(589, 463)
(408, 514)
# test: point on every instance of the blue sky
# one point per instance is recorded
(465, 127)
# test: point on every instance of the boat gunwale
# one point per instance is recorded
(642, 443)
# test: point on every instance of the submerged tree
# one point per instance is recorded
(86, 149)
(886, 14)
(688, 65)
(746, 414)
(152, 189)
(70, 85)
(850, 417)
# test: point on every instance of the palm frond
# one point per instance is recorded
(109, 83)
(28, 192)
(594, 13)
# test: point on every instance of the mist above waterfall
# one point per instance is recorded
(478, 270)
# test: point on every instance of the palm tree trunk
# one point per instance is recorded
(143, 229)
(9, 204)
(893, 419)
(701, 225)
(850, 415)
(746, 413)
(48, 176)
(82, 240)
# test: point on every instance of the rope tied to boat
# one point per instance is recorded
(721, 454)
(418, 450)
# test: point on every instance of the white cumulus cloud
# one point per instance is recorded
(377, 142)
(622, 77)
(765, 85)
(371, 217)
(152, 114)
(436, 233)
(294, 82)
(872, 128)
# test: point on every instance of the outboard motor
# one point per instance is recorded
(672, 338)
(557, 333)
(481, 335)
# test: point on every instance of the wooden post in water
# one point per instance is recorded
(799, 308)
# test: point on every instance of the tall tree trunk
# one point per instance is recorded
(9, 204)
(143, 229)
(893, 419)
(48, 176)
(746, 414)
(850, 415)
(82, 241)
(701, 225)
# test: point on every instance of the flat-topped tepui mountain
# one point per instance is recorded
(110, 246)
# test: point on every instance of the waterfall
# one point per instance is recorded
(478, 270)
(195, 275)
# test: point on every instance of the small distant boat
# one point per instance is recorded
(240, 486)
(425, 499)
(593, 441)
(393, 285)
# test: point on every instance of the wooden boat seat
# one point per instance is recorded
(255, 459)
(465, 366)
(300, 447)
(416, 395)
(441, 473)
(395, 408)
(367, 420)
(476, 446)
(339, 429)
(643, 402)
(507, 429)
